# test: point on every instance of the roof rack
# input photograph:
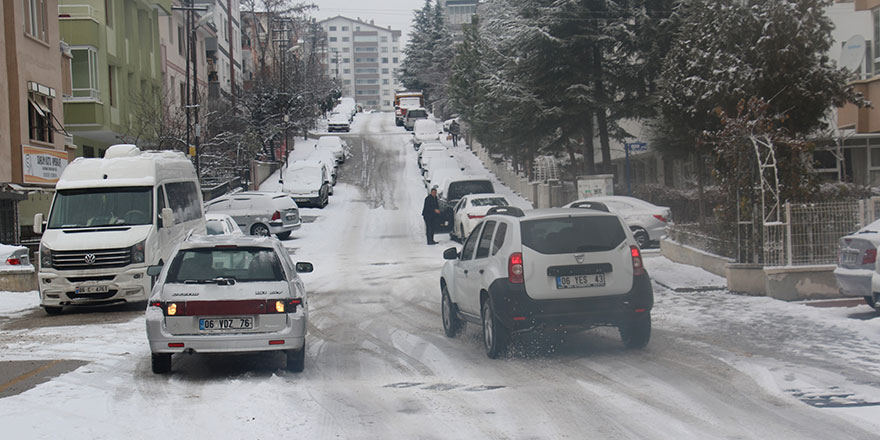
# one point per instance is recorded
(512, 211)
(596, 206)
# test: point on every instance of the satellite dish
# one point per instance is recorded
(853, 53)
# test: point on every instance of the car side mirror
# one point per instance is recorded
(154, 270)
(450, 254)
(167, 218)
(304, 267)
(38, 223)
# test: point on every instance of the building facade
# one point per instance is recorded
(115, 69)
(224, 54)
(365, 59)
(34, 146)
(458, 13)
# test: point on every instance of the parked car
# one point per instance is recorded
(440, 164)
(221, 224)
(333, 144)
(413, 115)
(308, 183)
(425, 130)
(259, 213)
(451, 189)
(646, 220)
(339, 122)
(224, 294)
(857, 272)
(327, 158)
(428, 156)
(550, 269)
(470, 210)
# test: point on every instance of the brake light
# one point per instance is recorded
(870, 256)
(13, 261)
(638, 266)
(660, 217)
(276, 216)
(515, 268)
(472, 216)
(171, 310)
(156, 304)
(283, 305)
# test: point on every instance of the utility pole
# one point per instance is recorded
(282, 40)
(192, 101)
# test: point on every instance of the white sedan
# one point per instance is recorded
(646, 220)
(470, 210)
(857, 272)
(333, 144)
(221, 224)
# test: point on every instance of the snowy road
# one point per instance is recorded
(379, 366)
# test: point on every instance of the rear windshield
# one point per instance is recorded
(568, 235)
(241, 264)
(458, 190)
(489, 201)
(417, 114)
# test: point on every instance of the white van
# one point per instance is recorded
(111, 218)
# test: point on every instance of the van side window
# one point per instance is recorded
(183, 199)
(160, 203)
(486, 239)
(499, 238)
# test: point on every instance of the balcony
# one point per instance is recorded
(78, 12)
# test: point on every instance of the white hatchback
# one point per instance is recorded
(470, 210)
(224, 294)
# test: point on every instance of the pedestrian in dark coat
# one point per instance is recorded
(455, 131)
(431, 213)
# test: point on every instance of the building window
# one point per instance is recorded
(180, 40)
(371, 81)
(345, 29)
(332, 39)
(111, 80)
(384, 49)
(385, 92)
(385, 82)
(345, 50)
(108, 12)
(394, 39)
(332, 28)
(385, 70)
(88, 151)
(346, 60)
(394, 49)
(383, 39)
(346, 71)
(384, 60)
(366, 60)
(365, 49)
(394, 60)
(366, 38)
(346, 39)
(386, 103)
(84, 73)
(36, 19)
(40, 118)
(347, 82)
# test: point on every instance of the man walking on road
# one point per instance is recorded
(454, 130)
(431, 212)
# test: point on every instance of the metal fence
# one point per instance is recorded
(707, 237)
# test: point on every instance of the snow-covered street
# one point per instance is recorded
(378, 364)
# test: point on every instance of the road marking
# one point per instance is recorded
(28, 375)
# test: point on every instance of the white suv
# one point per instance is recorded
(545, 270)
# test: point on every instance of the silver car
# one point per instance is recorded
(646, 220)
(259, 213)
(223, 294)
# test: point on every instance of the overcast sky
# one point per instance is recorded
(395, 13)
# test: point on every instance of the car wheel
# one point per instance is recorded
(642, 237)
(451, 324)
(494, 334)
(296, 359)
(161, 363)
(283, 235)
(872, 301)
(53, 311)
(260, 229)
(636, 333)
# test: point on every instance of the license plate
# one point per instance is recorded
(92, 289)
(225, 324)
(299, 201)
(577, 281)
(849, 258)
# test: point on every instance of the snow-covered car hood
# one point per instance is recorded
(95, 238)
(427, 136)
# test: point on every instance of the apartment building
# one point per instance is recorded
(174, 41)
(223, 50)
(459, 12)
(365, 59)
(116, 68)
(34, 146)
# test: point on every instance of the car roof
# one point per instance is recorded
(306, 163)
(207, 241)
(539, 214)
(485, 196)
(212, 216)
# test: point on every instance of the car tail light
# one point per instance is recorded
(472, 216)
(870, 256)
(13, 261)
(276, 215)
(515, 268)
(660, 217)
(283, 305)
(638, 266)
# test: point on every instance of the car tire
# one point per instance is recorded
(161, 363)
(283, 235)
(296, 359)
(53, 311)
(636, 333)
(872, 301)
(260, 229)
(452, 325)
(494, 334)
(642, 237)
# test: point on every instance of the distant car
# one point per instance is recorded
(326, 157)
(413, 115)
(334, 144)
(857, 272)
(470, 210)
(339, 122)
(425, 130)
(450, 190)
(259, 213)
(646, 220)
(432, 152)
(14, 256)
(225, 294)
(308, 183)
(221, 224)
(546, 270)
(439, 164)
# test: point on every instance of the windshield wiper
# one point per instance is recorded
(220, 281)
